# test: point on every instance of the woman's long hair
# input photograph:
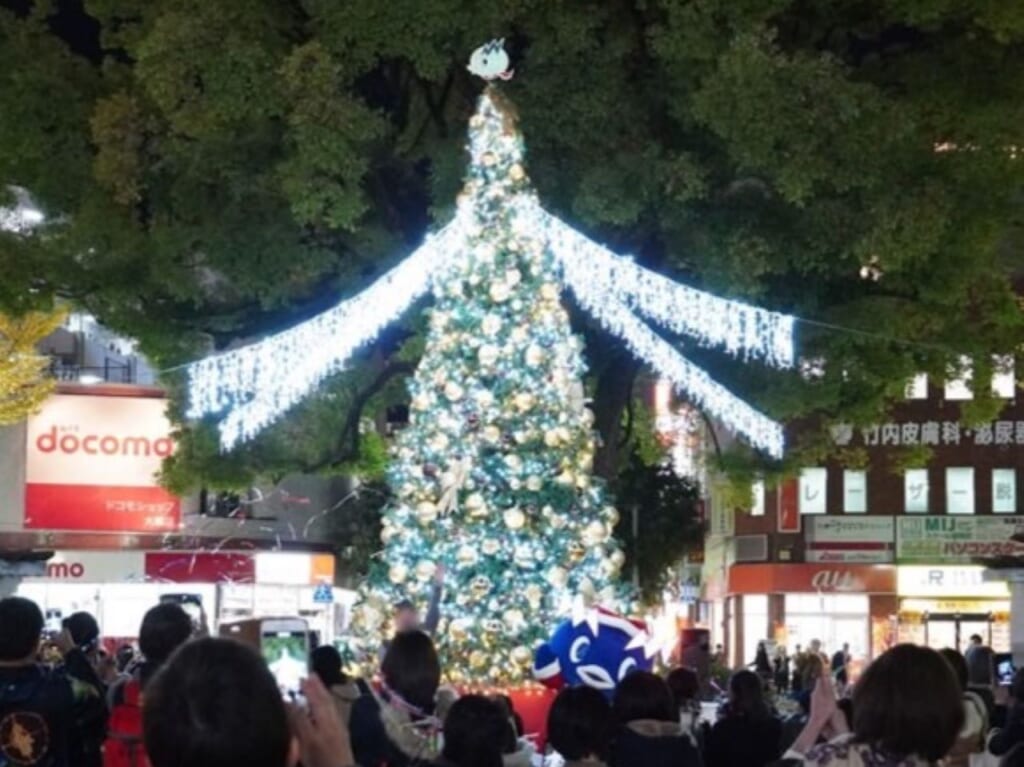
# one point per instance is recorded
(746, 696)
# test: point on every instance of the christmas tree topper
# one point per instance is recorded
(490, 61)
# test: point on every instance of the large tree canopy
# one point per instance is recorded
(214, 170)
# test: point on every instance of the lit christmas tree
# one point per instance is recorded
(492, 479)
(493, 474)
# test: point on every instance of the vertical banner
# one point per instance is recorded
(789, 506)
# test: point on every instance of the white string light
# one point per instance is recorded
(695, 383)
(740, 328)
(257, 383)
(254, 385)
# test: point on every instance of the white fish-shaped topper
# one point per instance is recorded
(490, 61)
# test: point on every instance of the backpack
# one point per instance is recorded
(123, 747)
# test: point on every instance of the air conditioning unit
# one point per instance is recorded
(751, 548)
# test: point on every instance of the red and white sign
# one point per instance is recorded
(92, 462)
(95, 567)
(812, 579)
(789, 506)
(868, 540)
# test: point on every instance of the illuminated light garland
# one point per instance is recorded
(690, 380)
(254, 385)
(259, 382)
(742, 329)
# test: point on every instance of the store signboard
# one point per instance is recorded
(939, 540)
(95, 567)
(867, 540)
(200, 567)
(948, 582)
(812, 579)
(91, 464)
(789, 506)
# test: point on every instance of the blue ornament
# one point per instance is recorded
(594, 652)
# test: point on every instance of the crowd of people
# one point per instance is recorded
(196, 701)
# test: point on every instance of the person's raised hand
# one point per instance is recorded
(323, 737)
(63, 642)
(823, 700)
(439, 574)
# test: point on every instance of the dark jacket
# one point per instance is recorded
(1009, 736)
(86, 736)
(386, 739)
(653, 744)
(36, 712)
(738, 741)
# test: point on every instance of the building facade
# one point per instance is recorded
(887, 547)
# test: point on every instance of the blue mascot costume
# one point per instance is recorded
(594, 652)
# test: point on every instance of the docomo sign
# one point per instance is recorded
(95, 567)
(81, 439)
(103, 444)
(811, 578)
(92, 462)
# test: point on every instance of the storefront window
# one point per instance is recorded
(1004, 491)
(855, 492)
(813, 486)
(835, 619)
(959, 490)
(755, 625)
(915, 491)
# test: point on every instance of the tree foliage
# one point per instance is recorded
(24, 383)
(216, 170)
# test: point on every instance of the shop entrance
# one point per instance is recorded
(954, 630)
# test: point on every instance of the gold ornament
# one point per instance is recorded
(480, 586)
(488, 355)
(611, 516)
(499, 292)
(534, 483)
(595, 533)
(582, 481)
(490, 546)
(439, 442)
(524, 401)
(514, 619)
(477, 660)
(476, 122)
(576, 551)
(487, 159)
(459, 628)
(513, 462)
(476, 506)
(493, 626)
(552, 438)
(523, 556)
(512, 277)
(398, 574)
(566, 478)
(426, 512)
(617, 558)
(516, 172)
(534, 355)
(519, 333)
(608, 568)
(559, 521)
(466, 556)
(557, 577)
(491, 324)
(484, 398)
(514, 518)
(549, 291)
(534, 595)
(492, 434)
(425, 569)
(453, 391)
(421, 402)
(521, 655)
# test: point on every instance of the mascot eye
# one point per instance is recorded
(578, 650)
(627, 665)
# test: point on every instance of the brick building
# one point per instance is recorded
(883, 553)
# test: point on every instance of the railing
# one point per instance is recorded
(109, 372)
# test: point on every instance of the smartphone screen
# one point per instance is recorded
(1005, 668)
(285, 647)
